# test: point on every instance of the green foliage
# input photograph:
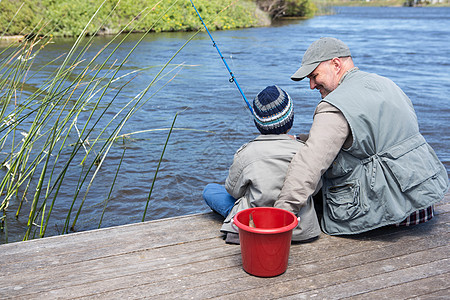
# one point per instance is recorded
(41, 137)
(69, 17)
(53, 132)
(287, 8)
(301, 8)
(17, 16)
(182, 17)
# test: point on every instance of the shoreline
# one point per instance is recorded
(11, 38)
(263, 19)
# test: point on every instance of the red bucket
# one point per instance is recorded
(265, 247)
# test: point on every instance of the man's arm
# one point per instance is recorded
(327, 135)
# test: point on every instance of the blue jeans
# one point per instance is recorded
(218, 199)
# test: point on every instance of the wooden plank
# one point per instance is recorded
(438, 295)
(185, 257)
(136, 266)
(422, 288)
(304, 278)
(385, 279)
(131, 237)
(222, 268)
(241, 279)
(91, 245)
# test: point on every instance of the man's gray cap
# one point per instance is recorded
(323, 49)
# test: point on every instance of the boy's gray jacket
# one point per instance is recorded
(390, 170)
(257, 176)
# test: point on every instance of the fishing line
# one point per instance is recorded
(232, 78)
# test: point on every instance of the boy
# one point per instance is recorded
(259, 167)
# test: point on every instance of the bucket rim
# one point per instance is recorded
(278, 230)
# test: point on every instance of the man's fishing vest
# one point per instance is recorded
(390, 170)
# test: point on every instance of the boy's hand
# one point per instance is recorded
(301, 137)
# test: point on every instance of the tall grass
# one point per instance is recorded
(59, 130)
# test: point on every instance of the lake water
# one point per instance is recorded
(408, 45)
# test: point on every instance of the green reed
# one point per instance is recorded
(43, 136)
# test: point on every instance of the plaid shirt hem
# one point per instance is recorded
(417, 217)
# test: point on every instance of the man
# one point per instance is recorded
(364, 146)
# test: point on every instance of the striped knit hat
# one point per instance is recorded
(273, 111)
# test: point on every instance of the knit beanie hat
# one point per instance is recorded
(273, 111)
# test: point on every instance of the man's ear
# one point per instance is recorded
(337, 64)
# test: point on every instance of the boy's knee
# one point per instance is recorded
(211, 189)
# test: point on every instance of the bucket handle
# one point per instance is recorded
(237, 229)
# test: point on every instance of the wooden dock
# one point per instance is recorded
(186, 258)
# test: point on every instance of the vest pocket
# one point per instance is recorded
(413, 167)
(344, 202)
(339, 167)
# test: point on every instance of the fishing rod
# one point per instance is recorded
(232, 78)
